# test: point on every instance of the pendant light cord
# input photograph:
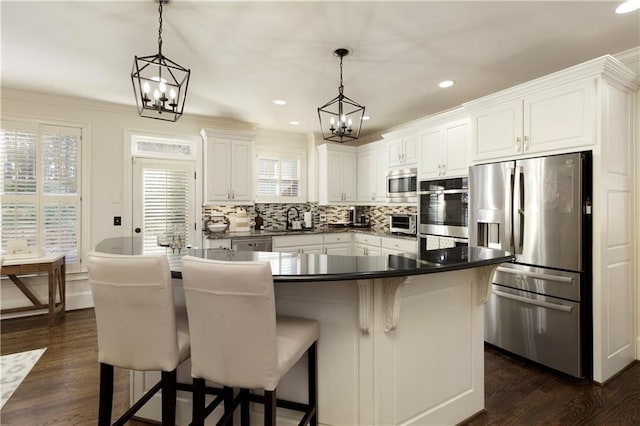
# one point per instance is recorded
(341, 88)
(160, 27)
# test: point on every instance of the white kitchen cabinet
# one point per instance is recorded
(338, 244)
(403, 150)
(372, 169)
(366, 245)
(228, 166)
(336, 174)
(555, 119)
(298, 244)
(443, 150)
(392, 245)
(217, 243)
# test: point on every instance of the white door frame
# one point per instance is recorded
(128, 154)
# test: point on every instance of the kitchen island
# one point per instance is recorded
(401, 338)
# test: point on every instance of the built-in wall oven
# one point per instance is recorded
(443, 207)
(443, 213)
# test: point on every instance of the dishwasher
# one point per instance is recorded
(251, 244)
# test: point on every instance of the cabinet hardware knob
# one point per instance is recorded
(526, 143)
(518, 144)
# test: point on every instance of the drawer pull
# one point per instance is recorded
(528, 301)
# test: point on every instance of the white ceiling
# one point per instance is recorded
(243, 54)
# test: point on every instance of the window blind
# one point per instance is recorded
(166, 198)
(279, 177)
(40, 187)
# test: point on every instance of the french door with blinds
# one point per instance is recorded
(164, 203)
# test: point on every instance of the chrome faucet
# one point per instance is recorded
(289, 220)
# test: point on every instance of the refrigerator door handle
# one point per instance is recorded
(518, 210)
(508, 202)
(534, 302)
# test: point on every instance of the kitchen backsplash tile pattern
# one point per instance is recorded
(274, 214)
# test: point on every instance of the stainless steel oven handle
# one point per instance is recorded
(528, 301)
(548, 277)
(445, 191)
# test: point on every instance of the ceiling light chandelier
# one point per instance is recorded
(340, 118)
(160, 85)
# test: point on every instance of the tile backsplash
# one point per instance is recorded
(275, 214)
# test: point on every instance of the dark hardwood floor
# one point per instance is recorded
(62, 388)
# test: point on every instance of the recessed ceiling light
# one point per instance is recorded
(280, 102)
(628, 6)
(446, 83)
(294, 123)
(365, 117)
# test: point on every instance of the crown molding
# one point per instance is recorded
(630, 58)
(605, 66)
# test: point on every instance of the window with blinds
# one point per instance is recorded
(40, 187)
(279, 177)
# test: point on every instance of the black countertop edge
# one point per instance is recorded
(376, 274)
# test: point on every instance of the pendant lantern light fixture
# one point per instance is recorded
(341, 117)
(160, 85)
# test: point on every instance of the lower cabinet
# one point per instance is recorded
(342, 244)
(366, 245)
(398, 246)
(338, 244)
(218, 243)
(309, 244)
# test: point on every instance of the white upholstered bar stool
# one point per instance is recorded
(237, 341)
(138, 327)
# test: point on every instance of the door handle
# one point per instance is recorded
(518, 210)
(528, 301)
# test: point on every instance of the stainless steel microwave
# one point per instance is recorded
(402, 185)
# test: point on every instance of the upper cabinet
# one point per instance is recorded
(228, 166)
(372, 169)
(403, 150)
(443, 150)
(336, 174)
(552, 119)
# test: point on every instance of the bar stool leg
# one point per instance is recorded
(198, 403)
(228, 402)
(269, 408)
(312, 356)
(244, 408)
(169, 397)
(106, 394)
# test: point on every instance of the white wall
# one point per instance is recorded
(107, 124)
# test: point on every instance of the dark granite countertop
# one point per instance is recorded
(317, 230)
(293, 267)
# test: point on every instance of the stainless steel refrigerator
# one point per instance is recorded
(540, 210)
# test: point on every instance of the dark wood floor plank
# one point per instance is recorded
(62, 389)
(519, 392)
